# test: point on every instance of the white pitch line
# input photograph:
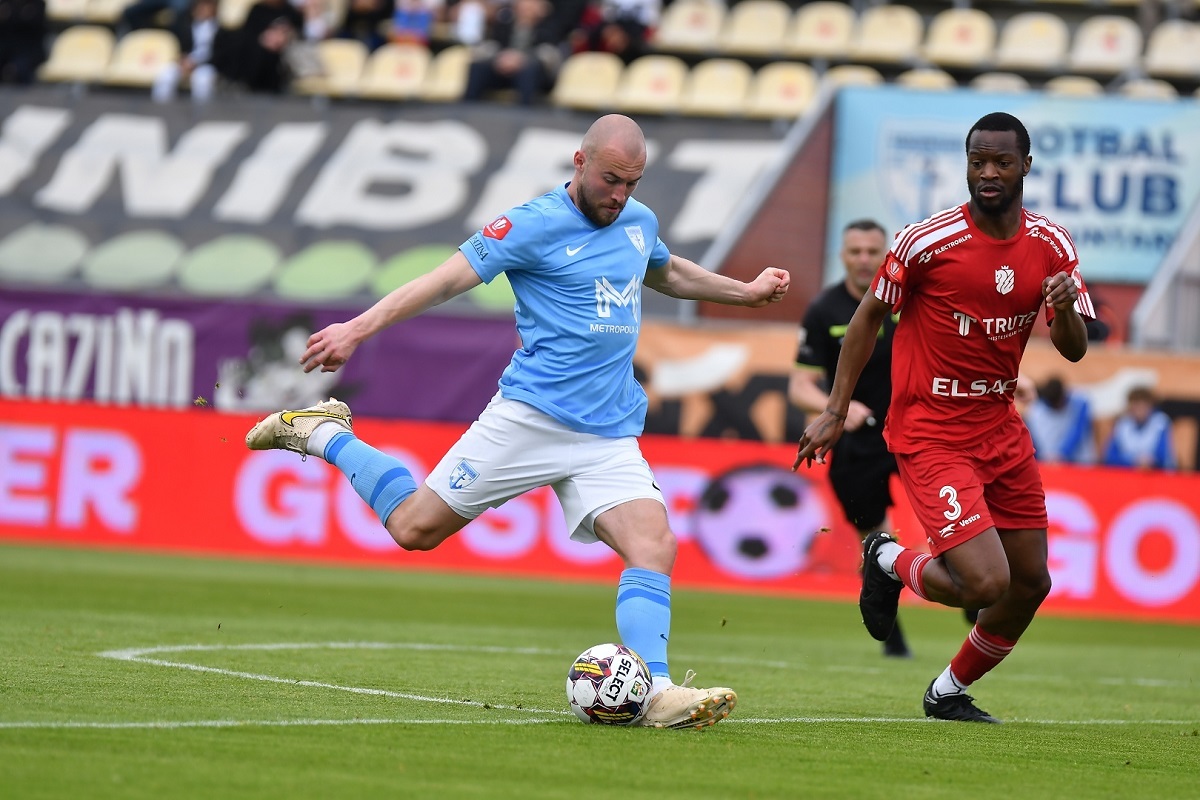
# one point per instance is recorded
(264, 723)
(928, 721)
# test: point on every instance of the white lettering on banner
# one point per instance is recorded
(1154, 516)
(131, 357)
(264, 180)
(538, 161)
(431, 161)
(24, 450)
(100, 468)
(1074, 552)
(281, 499)
(727, 171)
(507, 532)
(98, 471)
(26, 134)
(156, 184)
(357, 520)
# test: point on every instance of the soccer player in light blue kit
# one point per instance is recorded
(569, 410)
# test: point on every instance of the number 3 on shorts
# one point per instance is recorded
(951, 496)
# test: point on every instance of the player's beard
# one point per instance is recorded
(997, 206)
(594, 211)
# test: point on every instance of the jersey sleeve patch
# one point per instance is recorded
(497, 228)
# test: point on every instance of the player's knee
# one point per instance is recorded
(985, 592)
(412, 537)
(1033, 588)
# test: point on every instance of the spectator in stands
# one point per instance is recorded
(196, 31)
(621, 27)
(144, 14)
(253, 55)
(22, 39)
(1141, 436)
(520, 53)
(1060, 423)
(364, 20)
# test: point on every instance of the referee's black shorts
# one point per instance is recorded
(860, 473)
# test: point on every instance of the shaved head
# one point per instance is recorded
(608, 166)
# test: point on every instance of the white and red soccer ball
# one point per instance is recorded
(609, 684)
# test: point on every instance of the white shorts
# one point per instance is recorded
(513, 448)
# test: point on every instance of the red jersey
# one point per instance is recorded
(969, 303)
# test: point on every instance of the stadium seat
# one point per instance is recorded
(1073, 86)
(342, 63)
(139, 56)
(65, 10)
(926, 78)
(394, 72)
(1000, 83)
(80, 53)
(782, 90)
(820, 29)
(232, 13)
(716, 88)
(447, 77)
(1148, 89)
(104, 12)
(690, 25)
(851, 75)
(652, 84)
(1105, 44)
(588, 80)
(1174, 50)
(1034, 40)
(889, 34)
(755, 27)
(961, 37)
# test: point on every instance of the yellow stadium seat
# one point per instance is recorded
(66, 10)
(888, 34)
(232, 13)
(104, 12)
(851, 75)
(395, 72)
(755, 27)
(80, 53)
(926, 78)
(342, 63)
(1034, 40)
(1000, 83)
(961, 37)
(1073, 86)
(1174, 50)
(782, 90)
(447, 77)
(1105, 44)
(652, 84)
(588, 80)
(690, 25)
(820, 29)
(1148, 89)
(139, 56)
(716, 88)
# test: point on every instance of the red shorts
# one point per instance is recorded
(959, 493)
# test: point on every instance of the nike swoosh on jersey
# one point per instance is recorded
(572, 252)
(289, 416)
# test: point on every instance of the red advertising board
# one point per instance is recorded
(1121, 543)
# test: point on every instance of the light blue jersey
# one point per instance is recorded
(579, 309)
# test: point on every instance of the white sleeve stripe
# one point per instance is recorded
(934, 236)
(906, 236)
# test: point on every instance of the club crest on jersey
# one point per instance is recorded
(497, 228)
(634, 232)
(1005, 279)
(463, 475)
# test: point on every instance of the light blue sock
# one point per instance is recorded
(644, 616)
(378, 478)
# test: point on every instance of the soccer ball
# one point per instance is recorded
(609, 684)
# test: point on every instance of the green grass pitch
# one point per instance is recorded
(128, 675)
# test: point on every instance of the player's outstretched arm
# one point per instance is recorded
(820, 436)
(332, 347)
(1067, 331)
(688, 280)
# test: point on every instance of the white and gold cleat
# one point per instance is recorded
(685, 706)
(289, 430)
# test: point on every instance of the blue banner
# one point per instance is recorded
(1120, 175)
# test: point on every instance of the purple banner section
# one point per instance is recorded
(240, 357)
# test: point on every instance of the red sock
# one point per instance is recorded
(980, 652)
(910, 569)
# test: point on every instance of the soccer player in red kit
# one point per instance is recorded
(970, 283)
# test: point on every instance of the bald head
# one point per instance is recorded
(615, 134)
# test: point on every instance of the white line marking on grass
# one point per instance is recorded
(928, 721)
(266, 723)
